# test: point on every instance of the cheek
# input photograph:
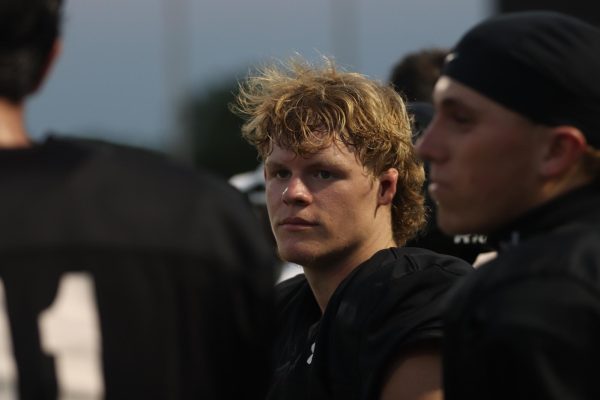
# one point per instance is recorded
(486, 163)
(488, 180)
(273, 195)
(500, 183)
(506, 166)
(350, 205)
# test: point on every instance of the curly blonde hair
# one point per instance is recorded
(305, 108)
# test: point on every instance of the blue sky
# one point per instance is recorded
(126, 63)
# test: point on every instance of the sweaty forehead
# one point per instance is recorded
(446, 90)
(451, 94)
(332, 155)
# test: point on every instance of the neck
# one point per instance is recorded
(326, 276)
(12, 125)
(323, 282)
(572, 179)
(550, 190)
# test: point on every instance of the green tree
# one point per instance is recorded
(213, 132)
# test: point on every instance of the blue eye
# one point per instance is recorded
(277, 173)
(281, 174)
(322, 174)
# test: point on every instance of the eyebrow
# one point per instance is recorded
(311, 164)
(450, 102)
(273, 164)
(453, 102)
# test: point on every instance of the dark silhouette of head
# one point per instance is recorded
(28, 33)
(415, 75)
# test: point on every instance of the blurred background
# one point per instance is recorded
(159, 73)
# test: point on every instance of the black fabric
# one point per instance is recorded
(182, 275)
(526, 325)
(541, 64)
(389, 304)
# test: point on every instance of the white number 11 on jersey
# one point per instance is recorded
(70, 332)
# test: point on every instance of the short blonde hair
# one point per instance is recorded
(305, 108)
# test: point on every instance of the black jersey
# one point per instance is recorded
(526, 325)
(387, 305)
(126, 276)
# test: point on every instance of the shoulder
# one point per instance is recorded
(542, 279)
(401, 290)
(390, 306)
(418, 279)
(415, 260)
(516, 327)
(89, 165)
(102, 160)
(402, 271)
(96, 192)
(570, 254)
(400, 276)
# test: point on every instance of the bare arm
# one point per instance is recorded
(415, 376)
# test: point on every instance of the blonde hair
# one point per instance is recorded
(305, 108)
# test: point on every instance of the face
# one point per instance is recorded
(484, 160)
(327, 209)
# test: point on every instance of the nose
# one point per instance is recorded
(296, 192)
(429, 146)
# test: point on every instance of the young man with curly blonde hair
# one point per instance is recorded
(344, 192)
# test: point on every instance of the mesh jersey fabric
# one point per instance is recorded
(181, 272)
(526, 325)
(388, 304)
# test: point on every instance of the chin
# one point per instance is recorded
(297, 256)
(454, 225)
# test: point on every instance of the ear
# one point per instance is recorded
(387, 186)
(563, 150)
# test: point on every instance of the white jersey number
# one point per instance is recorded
(70, 332)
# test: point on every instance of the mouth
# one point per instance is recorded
(296, 223)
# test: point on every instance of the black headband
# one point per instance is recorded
(543, 65)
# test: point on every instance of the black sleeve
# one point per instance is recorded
(393, 311)
(539, 341)
(409, 317)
